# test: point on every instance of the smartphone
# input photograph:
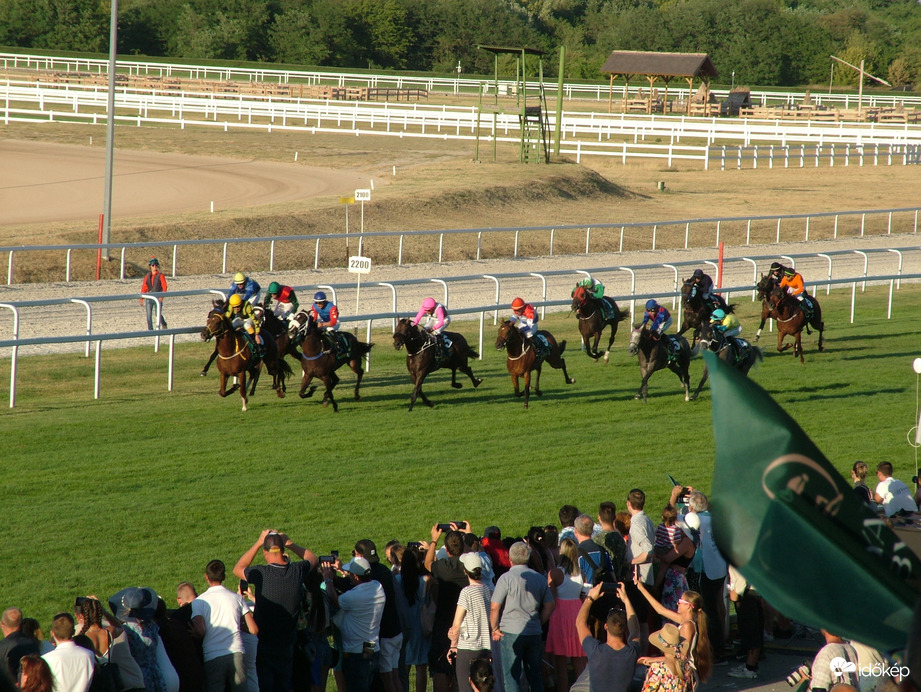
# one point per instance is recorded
(461, 524)
(444, 527)
(335, 554)
(609, 587)
(414, 545)
(327, 558)
(244, 585)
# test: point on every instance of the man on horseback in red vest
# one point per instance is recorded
(793, 281)
(243, 319)
(286, 303)
(435, 319)
(524, 318)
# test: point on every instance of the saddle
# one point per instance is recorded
(442, 346)
(608, 309)
(809, 307)
(541, 346)
(740, 347)
(339, 344)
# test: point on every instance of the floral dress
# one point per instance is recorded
(659, 678)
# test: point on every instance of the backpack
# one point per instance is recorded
(600, 574)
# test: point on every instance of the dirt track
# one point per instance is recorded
(56, 183)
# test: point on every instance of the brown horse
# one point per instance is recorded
(764, 286)
(791, 319)
(696, 311)
(320, 360)
(523, 357)
(592, 320)
(653, 355)
(236, 359)
(726, 351)
(421, 360)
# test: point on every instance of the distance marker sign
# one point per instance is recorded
(359, 265)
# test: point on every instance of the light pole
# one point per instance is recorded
(110, 130)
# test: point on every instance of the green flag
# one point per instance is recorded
(794, 527)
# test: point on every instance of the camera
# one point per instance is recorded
(414, 545)
(609, 587)
(797, 676)
(327, 558)
(914, 479)
(447, 527)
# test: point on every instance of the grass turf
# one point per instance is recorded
(145, 486)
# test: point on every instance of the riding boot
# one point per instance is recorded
(329, 340)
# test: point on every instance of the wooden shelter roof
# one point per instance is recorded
(631, 62)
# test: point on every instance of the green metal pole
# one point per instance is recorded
(558, 128)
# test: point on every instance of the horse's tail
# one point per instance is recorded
(471, 353)
(283, 368)
(562, 345)
(361, 348)
(623, 314)
(731, 307)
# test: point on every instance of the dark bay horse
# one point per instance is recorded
(592, 321)
(653, 355)
(420, 357)
(791, 319)
(236, 359)
(696, 311)
(714, 341)
(523, 357)
(321, 361)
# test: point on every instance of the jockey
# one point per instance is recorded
(595, 289)
(247, 288)
(661, 318)
(703, 284)
(793, 281)
(726, 324)
(435, 316)
(287, 303)
(524, 318)
(777, 270)
(326, 315)
(241, 316)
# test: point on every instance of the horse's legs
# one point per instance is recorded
(360, 372)
(308, 376)
(243, 388)
(223, 390)
(527, 387)
(798, 347)
(821, 328)
(417, 392)
(700, 386)
(328, 397)
(780, 344)
(607, 351)
(211, 358)
(515, 377)
(254, 378)
(647, 373)
(454, 382)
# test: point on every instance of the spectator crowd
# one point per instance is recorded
(604, 602)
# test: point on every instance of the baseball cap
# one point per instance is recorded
(492, 532)
(359, 566)
(273, 542)
(471, 561)
(153, 261)
(366, 548)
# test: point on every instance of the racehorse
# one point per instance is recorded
(714, 340)
(320, 361)
(235, 357)
(523, 357)
(791, 319)
(696, 311)
(653, 355)
(421, 360)
(592, 321)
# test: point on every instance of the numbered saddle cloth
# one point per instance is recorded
(742, 349)
(673, 346)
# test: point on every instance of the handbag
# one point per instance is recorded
(107, 677)
(427, 613)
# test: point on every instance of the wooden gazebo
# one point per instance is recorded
(656, 66)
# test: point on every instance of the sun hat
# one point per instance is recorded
(666, 639)
(358, 566)
(136, 602)
(471, 561)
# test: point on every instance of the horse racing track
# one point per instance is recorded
(185, 476)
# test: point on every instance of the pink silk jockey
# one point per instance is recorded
(436, 321)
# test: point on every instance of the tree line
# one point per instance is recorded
(763, 42)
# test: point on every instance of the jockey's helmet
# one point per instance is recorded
(651, 304)
(698, 274)
(319, 297)
(239, 278)
(775, 266)
(428, 304)
(236, 300)
(517, 304)
(789, 271)
(154, 262)
(717, 315)
(274, 288)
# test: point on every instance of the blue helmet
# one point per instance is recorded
(651, 304)
(717, 315)
(319, 297)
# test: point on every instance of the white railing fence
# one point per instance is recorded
(707, 232)
(450, 84)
